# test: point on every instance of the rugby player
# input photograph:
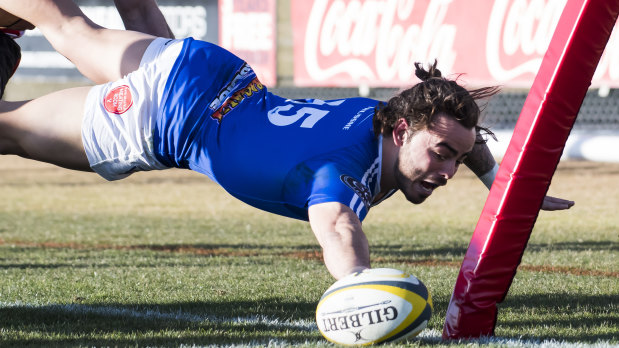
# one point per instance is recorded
(165, 103)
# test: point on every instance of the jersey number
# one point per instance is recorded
(286, 115)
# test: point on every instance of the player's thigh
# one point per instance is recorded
(100, 54)
(48, 128)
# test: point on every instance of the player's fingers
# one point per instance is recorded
(553, 203)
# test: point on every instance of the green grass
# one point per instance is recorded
(169, 259)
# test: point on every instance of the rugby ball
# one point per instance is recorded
(374, 306)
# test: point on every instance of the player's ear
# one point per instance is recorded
(400, 132)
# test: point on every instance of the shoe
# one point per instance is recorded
(10, 55)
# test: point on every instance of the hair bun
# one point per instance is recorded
(425, 75)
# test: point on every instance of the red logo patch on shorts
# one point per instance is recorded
(118, 100)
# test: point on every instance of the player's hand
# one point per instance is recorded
(552, 203)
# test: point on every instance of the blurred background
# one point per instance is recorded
(330, 49)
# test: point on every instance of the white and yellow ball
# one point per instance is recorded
(374, 306)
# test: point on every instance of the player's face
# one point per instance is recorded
(430, 157)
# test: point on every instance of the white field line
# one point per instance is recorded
(153, 314)
(431, 336)
(434, 336)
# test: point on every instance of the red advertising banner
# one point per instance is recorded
(247, 28)
(376, 42)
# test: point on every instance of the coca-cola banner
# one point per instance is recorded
(376, 42)
(247, 28)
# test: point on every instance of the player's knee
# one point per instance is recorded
(68, 35)
(4, 148)
(10, 147)
(8, 136)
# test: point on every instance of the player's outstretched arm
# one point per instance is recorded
(339, 233)
(480, 160)
(482, 163)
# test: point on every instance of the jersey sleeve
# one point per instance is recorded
(331, 184)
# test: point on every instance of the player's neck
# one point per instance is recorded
(389, 155)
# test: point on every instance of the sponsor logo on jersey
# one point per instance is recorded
(361, 190)
(232, 86)
(235, 91)
(253, 87)
(118, 100)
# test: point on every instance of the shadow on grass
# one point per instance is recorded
(400, 251)
(189, 323)
(576, 316)
(242, 249)
(445, 255)
(214, 323)
(88, 256)
(575, 246)
(257, 323)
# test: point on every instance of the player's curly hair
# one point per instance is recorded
(433, 95)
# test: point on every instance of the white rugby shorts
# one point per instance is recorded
(119, 117)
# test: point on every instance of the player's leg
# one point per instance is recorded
(46, 129)
(100, 54)
(143, 16)
(10, 55)
(9, 21)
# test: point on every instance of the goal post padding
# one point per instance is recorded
(510, 211)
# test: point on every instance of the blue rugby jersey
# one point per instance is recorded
(276, 154)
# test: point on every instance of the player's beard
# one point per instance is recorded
(409, 186)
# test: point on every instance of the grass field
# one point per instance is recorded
(169, 259)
